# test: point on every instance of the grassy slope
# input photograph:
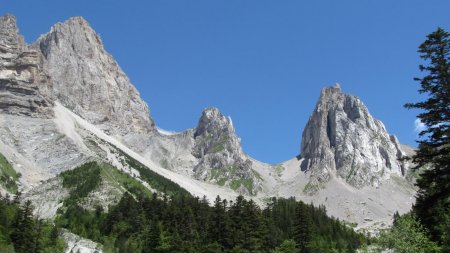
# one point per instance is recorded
(8, 176)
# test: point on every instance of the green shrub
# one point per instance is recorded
(8, 176)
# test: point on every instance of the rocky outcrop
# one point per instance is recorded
(20, 74)
(221, 159)
(75, 243)
(342, 139)
(87, 80)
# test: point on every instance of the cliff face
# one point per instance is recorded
(20, 74)
(87, 80)
(342, 139)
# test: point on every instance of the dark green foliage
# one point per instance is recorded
(288, 246)
(24, 229)
(8, 176)
(81, 181)
(302, 228)
(155, 180)
(20, 232)
(326, 234)
(87, 178)
(433, 198)
(187, 224)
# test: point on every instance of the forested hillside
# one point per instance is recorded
(187, 224)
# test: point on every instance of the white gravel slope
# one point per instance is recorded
(367, 207)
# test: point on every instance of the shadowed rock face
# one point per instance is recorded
(20, 74)
(87, 80)
(342, 139)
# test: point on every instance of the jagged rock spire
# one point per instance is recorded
(219, 132)
(10, 39)
(20, 74)
(342, 139)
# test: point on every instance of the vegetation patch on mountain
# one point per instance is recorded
(155, 180)
(8, 176)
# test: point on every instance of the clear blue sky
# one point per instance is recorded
(261, 62)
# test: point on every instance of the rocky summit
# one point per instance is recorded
(342, 139)
(220, 155)
(87, 80)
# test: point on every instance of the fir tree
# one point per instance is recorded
(433, 198)
(219, 225)
(288, 246)
(302, 228)
(23, 235)
(251, 227)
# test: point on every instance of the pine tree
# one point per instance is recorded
(23, 235)
(302, 228)
(151, 237)
(251, 227)
(236, 217)
(433, 198)
(219, 224)
(288, 246)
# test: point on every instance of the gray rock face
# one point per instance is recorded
(342, 139)
(220, 155)
(20, 74)
(87, 80)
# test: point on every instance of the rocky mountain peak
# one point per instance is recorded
(220, 154)
(212, 120)
(342, 139)
(75, 33)
(10, 39)
(87, 80)
(214, 133)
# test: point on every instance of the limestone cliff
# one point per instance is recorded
(87, 80)
(342, 139)
(20, 74)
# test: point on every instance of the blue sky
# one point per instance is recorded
(261, 62)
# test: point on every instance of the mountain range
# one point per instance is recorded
(65, 101)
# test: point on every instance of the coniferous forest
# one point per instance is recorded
(20, 232)
(182, 224)
(187, 224)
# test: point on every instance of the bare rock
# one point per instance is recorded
(342, 139)
(220, 155)
(87, 80)
(77, 243)
(20, 74)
